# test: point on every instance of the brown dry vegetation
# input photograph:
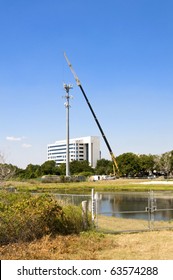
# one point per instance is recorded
(155, 245)
(115, 224)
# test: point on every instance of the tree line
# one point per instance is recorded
(130, 165)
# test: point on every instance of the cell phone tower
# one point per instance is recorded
(67, 105)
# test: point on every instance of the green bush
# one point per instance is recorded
(25, 217)
(72, 219)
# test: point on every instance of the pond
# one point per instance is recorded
(131, 205)
(136, 205)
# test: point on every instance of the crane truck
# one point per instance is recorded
(115, 165)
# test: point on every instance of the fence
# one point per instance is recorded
(77, 199)
(128, 211)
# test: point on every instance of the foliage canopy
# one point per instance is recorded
(130, 164)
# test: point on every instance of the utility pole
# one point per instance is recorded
(67, 105)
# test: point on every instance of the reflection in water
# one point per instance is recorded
(133, 205)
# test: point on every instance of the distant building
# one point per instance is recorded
(84, 148)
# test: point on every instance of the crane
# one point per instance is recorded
(115, 165)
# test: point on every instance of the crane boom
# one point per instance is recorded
(115, 166)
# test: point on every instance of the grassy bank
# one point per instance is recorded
(85, 187)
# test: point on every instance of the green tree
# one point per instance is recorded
(32, 171)
(129, 164)
(103, 167)
(77, 167)
(146, 163)
(49, 168)
(62, 169)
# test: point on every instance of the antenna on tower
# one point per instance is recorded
(67, 105)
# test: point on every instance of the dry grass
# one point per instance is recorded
(115, 224)
(95, 246)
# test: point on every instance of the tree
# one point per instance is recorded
(157, 165)
(62, 169)
(32, 171)
(171, 161)
(77, 167)
(49, 168)
(146, 163)
(103, 167)
(7, 171)
(128, 164)
(166, 163)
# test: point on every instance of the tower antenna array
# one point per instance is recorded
(67, 105)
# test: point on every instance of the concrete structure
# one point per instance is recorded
(84, 148)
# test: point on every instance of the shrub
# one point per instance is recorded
(27, 217)
(72, 219)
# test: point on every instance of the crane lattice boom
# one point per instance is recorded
(115, 165)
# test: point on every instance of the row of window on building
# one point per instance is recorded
(84, 148)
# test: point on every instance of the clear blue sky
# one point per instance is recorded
(122, 51)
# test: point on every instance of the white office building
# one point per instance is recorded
(84, 148)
